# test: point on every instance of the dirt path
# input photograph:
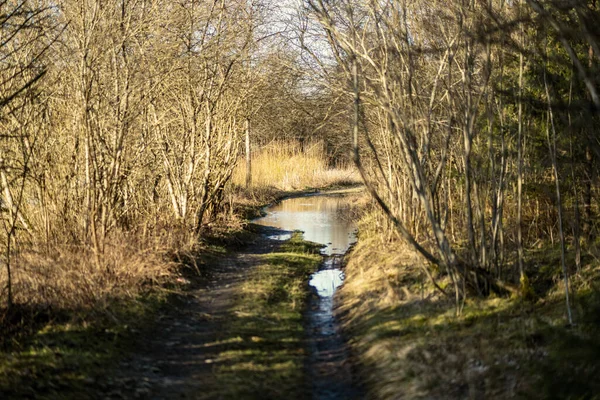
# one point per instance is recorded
(183, 354)
(175, 359)
(329, 368)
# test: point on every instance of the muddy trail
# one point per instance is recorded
(182, 355)
(175, 359)
(329, 364)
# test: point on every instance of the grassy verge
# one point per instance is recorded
(411, 345)
(263, 349)
(66, 349)
(68, 357)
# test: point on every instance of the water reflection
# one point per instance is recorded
(318, 217)
(327, 281)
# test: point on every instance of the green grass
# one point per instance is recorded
(263, 341)
(64, 359)
(411, 345)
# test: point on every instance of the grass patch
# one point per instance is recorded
(411, 345)
(69, 358)
(69, 349)
(263, 341)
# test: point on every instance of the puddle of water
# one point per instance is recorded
(327, 281)
(317, 216)
(320, 219)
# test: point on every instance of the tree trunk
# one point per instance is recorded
(520, 255)
(552, 151)
(248, 153)
(587, 194)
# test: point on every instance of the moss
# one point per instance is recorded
(266, 361)
(61, 359)
(410, 344)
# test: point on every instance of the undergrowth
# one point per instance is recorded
(411, 345)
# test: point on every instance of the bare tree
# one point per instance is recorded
(24, 40)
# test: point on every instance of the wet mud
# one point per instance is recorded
(328, 366)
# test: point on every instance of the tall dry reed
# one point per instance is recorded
(289, 166)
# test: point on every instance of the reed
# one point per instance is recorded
(289, 166)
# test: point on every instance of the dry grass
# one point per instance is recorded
(411, 345)
(73, 278)
(76, 313)
(287, 166)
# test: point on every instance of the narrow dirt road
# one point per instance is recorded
(175, 360)
(251, 331)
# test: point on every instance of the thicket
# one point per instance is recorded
(474, 128)
(122, 123)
